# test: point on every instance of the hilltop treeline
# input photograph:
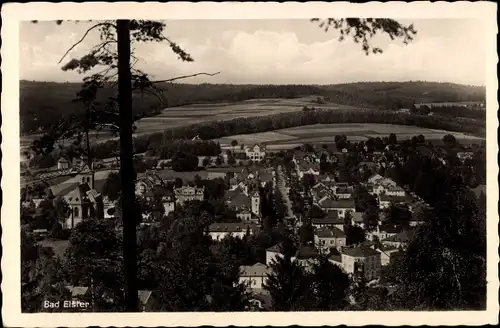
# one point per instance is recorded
(420, 91)
(219, 129)
(43, 103)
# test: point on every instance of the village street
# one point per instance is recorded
(282, 187)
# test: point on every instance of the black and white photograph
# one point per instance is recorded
(330, 163)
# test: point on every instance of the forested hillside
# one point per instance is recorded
(43, 103)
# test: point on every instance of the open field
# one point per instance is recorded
(323, 133)
(198, 113)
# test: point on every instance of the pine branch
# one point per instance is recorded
(184, 77)
(83, 38)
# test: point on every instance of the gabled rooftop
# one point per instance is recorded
(403, 237)
(340, 204)
(278, 248)
(307, 252)
(256, 270)
(331, 232)
(360, 251)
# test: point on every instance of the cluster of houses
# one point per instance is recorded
(243, 196)
(366, 260)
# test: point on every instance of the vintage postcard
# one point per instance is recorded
(187, 164)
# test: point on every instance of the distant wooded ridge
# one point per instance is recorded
(43, 103)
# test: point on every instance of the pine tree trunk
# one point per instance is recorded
(126, 166)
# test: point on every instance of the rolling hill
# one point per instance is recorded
(43, 103)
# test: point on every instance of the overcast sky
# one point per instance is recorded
(274, 52)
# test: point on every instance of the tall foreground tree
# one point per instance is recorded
(444, 267)
(288, 285)
(113, 54)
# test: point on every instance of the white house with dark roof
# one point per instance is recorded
(308, 168)
(238, 200)
(62, 164)
(307, 256)
(244, 215)
(396, 191)
(331, 219)
(189, 193)
(388, 254)
(256, 153)
(356, 260)
(400, 240)
(218, 231)
(329, 237)
(383, 231)
(254, 276)
(342, 206)
(343, 192)
(385, 201)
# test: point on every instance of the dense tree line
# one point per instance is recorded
(419, 91)
(167, 149)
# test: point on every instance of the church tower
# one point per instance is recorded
(256, 203)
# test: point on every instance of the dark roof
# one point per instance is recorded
(79, 193)
(360, 251)
(344, 190)
(307, 252)
(327, 220)
(402, 237)
(387, 248)
(342, 203)
(66, 190)
(332, 232)
(241, 200)
(390, 228)
(256, 270)
(278, 248)
(336, 258)
(306, 166)
(396, 199)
